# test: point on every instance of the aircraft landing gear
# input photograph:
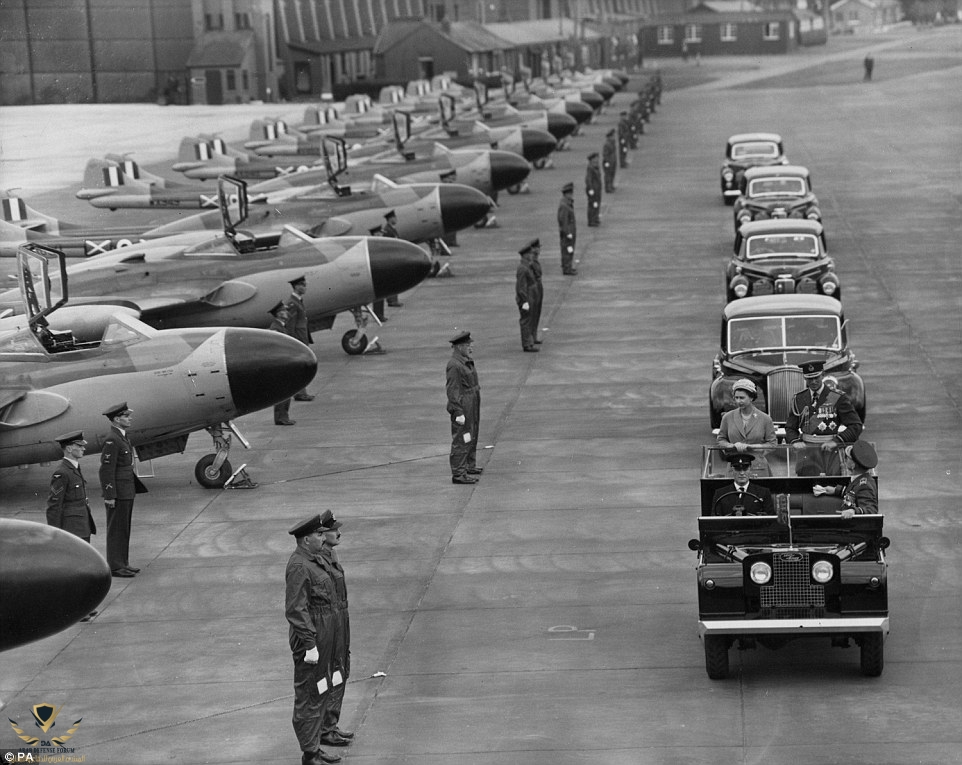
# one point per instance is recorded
(355, 341)
(213, 471)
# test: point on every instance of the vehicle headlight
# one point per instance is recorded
(822, 571)
(829, 285)
(728, 175)
(739, 286)
(761, 573)
(814, 214)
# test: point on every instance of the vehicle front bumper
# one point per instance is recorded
(793, 626)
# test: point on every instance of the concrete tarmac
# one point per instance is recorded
(548, 614)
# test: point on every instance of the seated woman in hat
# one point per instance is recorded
(747, 428)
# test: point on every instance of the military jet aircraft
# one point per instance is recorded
(179, 381)
(50, 579)
(235, 279)
(425, 212)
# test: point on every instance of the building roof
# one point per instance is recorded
(726, 6)
(333, 46)
(711, 17)
(221, 49)
(469, 36)
(540, 31)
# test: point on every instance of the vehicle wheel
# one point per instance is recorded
(539, 164)
(208, 477)
(514, 189)
(354, 342)
(873, 654)
(716, 656)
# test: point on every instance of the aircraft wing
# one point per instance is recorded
(29, 407)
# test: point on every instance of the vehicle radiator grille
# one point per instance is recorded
(791, 592)
(783, 384)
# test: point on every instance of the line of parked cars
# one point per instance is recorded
(805, 571)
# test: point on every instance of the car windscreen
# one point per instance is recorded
(780, 245)
(777, 187)
(811, 331)
(755, 150)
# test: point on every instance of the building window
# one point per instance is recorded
(242, 20)
(728, 32)
(666, 35)
(231, 79)
(544, 11)
(302, 77)
(213, 21)
(245, 80)
(693, 33)
(771, 31)
(437, 11)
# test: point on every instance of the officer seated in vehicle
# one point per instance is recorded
(742, 497)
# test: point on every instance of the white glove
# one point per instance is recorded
(525, 306)
(848, 512)
(312, 656)
(818, 490)
(459, 419)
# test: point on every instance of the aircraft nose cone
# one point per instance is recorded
(396, 265)
(561, 125)
(265, 368)
(508, 170)
(604, 90)
(462, 206)
(594, 99)
(537, 144)
(49, 578)
(580, 112)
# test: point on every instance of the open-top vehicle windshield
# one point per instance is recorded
(784, 332)
(777, 187)
(781, 245)
(755, 150)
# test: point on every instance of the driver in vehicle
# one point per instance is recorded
(742, 497)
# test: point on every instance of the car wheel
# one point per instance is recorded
(873, 654)
(209, 478)
(716, 656)
(354, 342)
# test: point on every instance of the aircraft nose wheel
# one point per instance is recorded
(354, 342)
(209, 477)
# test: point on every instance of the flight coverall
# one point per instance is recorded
(310, 605)
(340, 656)
(464, 397)
(567, 231)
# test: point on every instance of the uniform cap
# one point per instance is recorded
(302, 279)
(740, 461)
(306, 527)
(76, 437)
(593, 155)
(462, 337)
(568, 187)
(280, 304)
(746, 385)
(116, 410)
(864, 454)
(329, 522)
(390, 214)
(610, 132)
(812, 368)
(530, 246)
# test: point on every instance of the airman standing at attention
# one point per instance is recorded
(567, 228)
(526, 295)
(609, 160)
(593, 189)
(464, 408)
(624, 140)
(67, 506)
(297, 325)
(120, 485)
(280, 316)
(539, 293)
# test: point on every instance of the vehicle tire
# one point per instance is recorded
(716, 656)
(539, 164)
(873, 654)
(354, 342)
(207, 477)
(514, 189)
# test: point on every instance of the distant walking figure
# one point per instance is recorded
(869, 66)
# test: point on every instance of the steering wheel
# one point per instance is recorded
(714, 504)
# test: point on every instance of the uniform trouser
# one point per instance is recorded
(282, 411)
(308, 706)
(567, 253)
(623, 157)
(594, 212)
(535, 317)
(527, 330)
(332, 709)
(118, 533)
(463, 455)
(609, 179)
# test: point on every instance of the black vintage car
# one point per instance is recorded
(766, 338)
(776, 192)
(781, 256)
(745, 150)
(804, 572)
